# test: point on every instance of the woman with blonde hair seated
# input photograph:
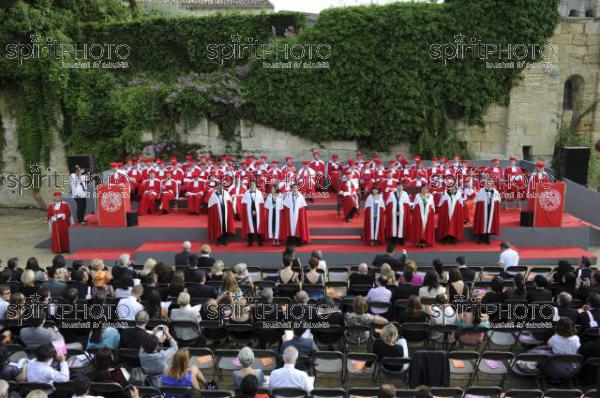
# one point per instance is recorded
(216, 271)
(181, 374)
(386, 270)
(390, 345)
(148, 267)
(360, 317)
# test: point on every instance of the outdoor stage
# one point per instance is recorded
(160, 237)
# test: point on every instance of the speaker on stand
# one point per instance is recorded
(574, 162)
(132, 219)
(526, 218)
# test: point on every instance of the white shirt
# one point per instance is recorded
(564, 345)
(3, 308)
(128, 308)
(42, 372)
(290, 377)
(509, 258)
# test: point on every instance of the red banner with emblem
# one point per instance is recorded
(113, 205)
(549, 204)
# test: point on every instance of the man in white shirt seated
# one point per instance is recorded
(508, 257)
(128, 307)
(40, 370)
(289, 376)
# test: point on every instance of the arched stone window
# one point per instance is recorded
(572, 95)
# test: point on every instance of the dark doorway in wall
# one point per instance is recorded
(527, 152)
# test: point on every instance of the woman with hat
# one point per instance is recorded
(101, 286)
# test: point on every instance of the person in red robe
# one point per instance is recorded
(59, 219)
(538, 177)
(307, 181)
(319, 167)
(349, 194)
(514, 185)
(487, 212)
(220, 216)
(469, 193)
(397, 215)
(334, 173)
(272, 224)
(451, 215)
(494, 172)
(253, 207)
(236, 191)
(151, 189)
(423, 211)
(169, 191)
(374, 220)
(194, 192)
(295, 220)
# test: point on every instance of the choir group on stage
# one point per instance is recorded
(400, 198)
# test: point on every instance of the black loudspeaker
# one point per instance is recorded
(132, 219)
(574, 163)
(85, 161)
(526, 218)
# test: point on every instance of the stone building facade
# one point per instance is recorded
(545, 99)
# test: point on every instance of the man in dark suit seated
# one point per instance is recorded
(387, 257)
(362, 277)
(204, 259)
(80, 283)
(123, 266)
(403, 291)
(541, 292)
(198, 288)
(590, 317)
(137, 336)
(182, 257)
(150, 281)
(468, 275)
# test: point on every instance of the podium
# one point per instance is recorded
(548, 204)
(113, 205)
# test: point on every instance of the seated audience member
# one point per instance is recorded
(563, 268)
(185, 312)
(387, 258)
(33, 265)
(438, 267)
(565, 340)
(242, 277)
(249, 388)
(563, 307)
(164, 273)
(568, 284)
(150, 282)
(80, 281)
(390, 275)
(230, 287)
(56, 281)
(104, 336)
(468, 275)
(288, 376)
(181, 374)
(584, 271)
(246, 358)
(124, 286)
(101, 286)
(40, 370)
(136, 336)
(318, 254)
(154, 306)
(456, 286)
(198, 287)
(266, 311)
(414, 313)
(97, 265)
(181, 258)
(104, 371)
(313, 277)
(404, 291)
(192, 266)
(154, 360)
(128, 307)
(81, 388)
(123, 266)
(442, 314)
(519, 291)
(37, 394)
(410, 275)
(329, 313)
(13, 266)
(290, 250)
(380, 293)
(541, 291)
(360, 278)
(28, 286)
(591, 285)
(305, 346)
(386, 391)
(204, 259)
(287, 274)
(590, 316)
(216, 270)
(360, 317)
(37, 335)
(431, 286)
(177, 285)
(389, 345)
(4, 301)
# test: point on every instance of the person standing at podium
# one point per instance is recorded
(220, 215)
(79, 191)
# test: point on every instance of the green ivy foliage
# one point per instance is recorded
(382, 86)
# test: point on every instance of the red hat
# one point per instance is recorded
(403, 161)
(147, 160)
(57, 193)
(202, 157)
(114, 164)
(446, 160)
(442, 158)
(189, 157)
(378, 162)
(359, 153)
(434, 159)
(417, 159)
(463, 162)
(334, 156)
(173, 160)
(161, 162)
(375, 155)
(390, 172)
(495, 160)
(275, 162)
(391, 161)
(196, 174)
(348, 172)
(289, 158)
(350, 161)
(263, 157)
(512, 158)
(305, 162)
(539, 163)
